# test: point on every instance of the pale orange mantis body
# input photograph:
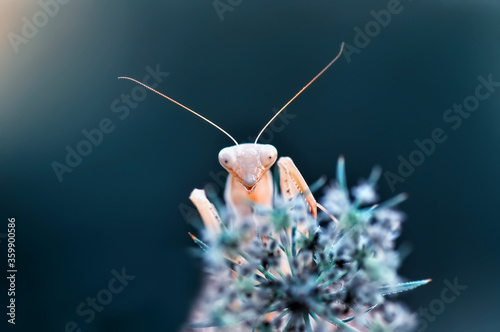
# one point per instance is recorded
(250, 181)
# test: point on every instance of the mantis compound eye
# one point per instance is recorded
(226, 158)
(268, 155)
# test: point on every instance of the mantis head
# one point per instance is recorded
(247, 163)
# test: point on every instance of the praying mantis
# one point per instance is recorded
(249, 181)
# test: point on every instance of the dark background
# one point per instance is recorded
(120, 207)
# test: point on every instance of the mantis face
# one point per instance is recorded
(247, 163)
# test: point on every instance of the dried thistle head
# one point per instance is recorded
(283, 270)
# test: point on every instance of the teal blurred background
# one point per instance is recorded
(119, 207)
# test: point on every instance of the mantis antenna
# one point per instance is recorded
(301, 90)
(176, 102)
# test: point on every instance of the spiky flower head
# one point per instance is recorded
(283, 270)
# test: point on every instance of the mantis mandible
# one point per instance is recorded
(249, 179)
